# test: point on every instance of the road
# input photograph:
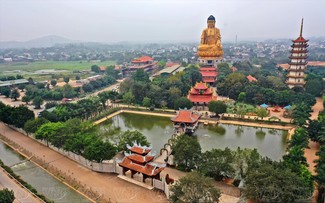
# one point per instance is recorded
(21, 194)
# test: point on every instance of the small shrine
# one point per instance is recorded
(200, 94)
(186, 121)
(139, 160)
(209, 74)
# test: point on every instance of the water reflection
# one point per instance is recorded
(158, 130)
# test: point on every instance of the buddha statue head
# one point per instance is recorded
(211, 21)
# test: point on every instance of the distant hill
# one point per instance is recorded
(46, 41)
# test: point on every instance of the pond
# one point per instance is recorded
(268, 142)
(44, 183)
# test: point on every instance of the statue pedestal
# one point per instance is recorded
(203, 61)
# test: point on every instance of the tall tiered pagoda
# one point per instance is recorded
(200, 94)
(298, 63)
(209, 74)
(139, 160)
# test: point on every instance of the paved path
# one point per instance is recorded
(21, 194)
(108, 185)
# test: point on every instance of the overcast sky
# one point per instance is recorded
(158, 20)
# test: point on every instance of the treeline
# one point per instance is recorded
(263, 180)
(83, 138)
(11, 77)
(269, 88)
(16, 116)
(162, 91)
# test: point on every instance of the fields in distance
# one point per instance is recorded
(16, 67)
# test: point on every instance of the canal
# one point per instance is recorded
(268, 142)
(44, 183)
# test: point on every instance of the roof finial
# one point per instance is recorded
(302, 25)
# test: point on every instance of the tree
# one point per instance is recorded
(68, 91)
(128, 137)
(53, 82)
(301, 114)
(146, 102)
(77, 77)
(32, 125)
(95, 68)
(272, 182)
(194, 188)
(14, 94)
(183, 103)
(261, 112)
(5, 91)
(22, 87)
(217, 163)
(140, 76)
(187, 152)
(52, 132)
(111, 72)
(242, 97)
(26, 99)
(66, 79)
(314, 87)
(20, 115)
(128, 98)
(218, 107)
(7, 196)
(99, 151)
(37, 101)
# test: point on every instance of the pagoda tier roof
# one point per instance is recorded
(300, 39)
(200, 98)
(197, 91)
(200, 86)
(142, 59)
(298, 63)
(139, 158)
(138, 149)
(186, 116)
(208, 68)
(299, 45)
(298, 57)
(299, 51)
(208, 73)
(208, 79)
(150, 169)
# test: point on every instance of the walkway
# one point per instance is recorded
(310, 153)
(106, 185)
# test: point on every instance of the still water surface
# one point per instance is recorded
(43, 182)
(158, 130)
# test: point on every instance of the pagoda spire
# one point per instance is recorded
(302, 26)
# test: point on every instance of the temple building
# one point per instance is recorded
(139, 160)
(200, 94)
(186, 121)
(210, 50)
(298, 63)
(209, 74)
(145, 62)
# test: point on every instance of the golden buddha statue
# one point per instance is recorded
(210, 46)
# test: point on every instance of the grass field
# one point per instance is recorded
(46, 65)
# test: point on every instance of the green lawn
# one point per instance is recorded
(57, 65)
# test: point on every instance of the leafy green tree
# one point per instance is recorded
(146, 102)
(14, 94)
(99, 151)
(128, 98)
(32, 125)
(5, 91)
(20, 115)
(66, 79)
(299, 138)
(40, 85)
(242, 97)
(21, 87)
(244, 161)
(314, 87)
(7, 196)
(261, 112)
(53, 82)
(183, 103)
(161, 64)
(217, 107)
(174, 93)
(53, 133)
(274, 183)
(38, 101)
(217, 163)
(110, 71)
(194, 188)
(77, 77)
(95, 68)
(187, 152)
(128, 137)
(301, 114)
(68, 91)
(140, 76)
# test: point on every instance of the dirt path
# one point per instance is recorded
(310, 153)
(107, 185)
